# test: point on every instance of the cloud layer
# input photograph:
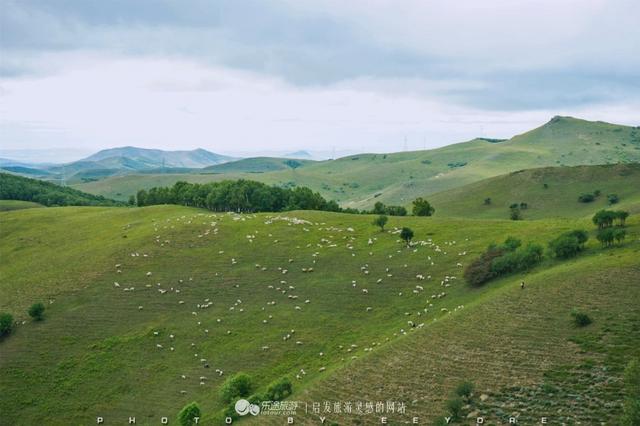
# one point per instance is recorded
(256, 75)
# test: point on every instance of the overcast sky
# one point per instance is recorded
(253, 76)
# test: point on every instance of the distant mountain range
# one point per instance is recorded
(153, 158)
(118, 161)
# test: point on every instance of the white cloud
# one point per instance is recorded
(359, 75)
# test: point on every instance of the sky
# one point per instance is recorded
(244, 76)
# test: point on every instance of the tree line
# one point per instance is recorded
(46, 193)
(241, 196)
(247, 196)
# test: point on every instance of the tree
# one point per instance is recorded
(422, 207)
(189, 415)
(381, 221)
(565, 246)
(36, 311)
(613, 198)
(621, 216)
(606, 237)
(132, 200)
(379, 208)
(6, 324)
(406, 234)
(515, 214)
(236, 386)
(619, 235)
(604, 218)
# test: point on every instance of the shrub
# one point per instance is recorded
(586, 198)
(421, 207)
(503, 259)
(480, 271)
(465, 389)
(36, 311)
(236, 386)
(279, 390)
(6, 324)
(580, 318)
(487, 201)
(511, 243)
(454, 406)
(564, 247)
(189, 415)
(529, 256)
(613, 198)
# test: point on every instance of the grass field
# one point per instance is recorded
(548, 192)
(96, 354)
(398, 178)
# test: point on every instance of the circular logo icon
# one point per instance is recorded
(244, 407)
(254, 409)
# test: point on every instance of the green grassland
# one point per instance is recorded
(96, 352)
(257, 165)
(8, 205)
(398, 178)
(548, 192)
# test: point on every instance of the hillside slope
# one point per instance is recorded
(519, 348)
(398, 178)
(257, 165)
(110, 288)
(547, 192)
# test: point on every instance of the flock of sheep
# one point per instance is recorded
(285, 291)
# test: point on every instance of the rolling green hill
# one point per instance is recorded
(548, 192)
(398, 178)
(237, 292)
(257, 165)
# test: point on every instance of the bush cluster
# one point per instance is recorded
(503, 259)
(569, 244)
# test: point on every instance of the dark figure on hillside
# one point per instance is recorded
(522, 285)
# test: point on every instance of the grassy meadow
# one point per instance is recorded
(111, 278)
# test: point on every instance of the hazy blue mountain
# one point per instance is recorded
(152, 158)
